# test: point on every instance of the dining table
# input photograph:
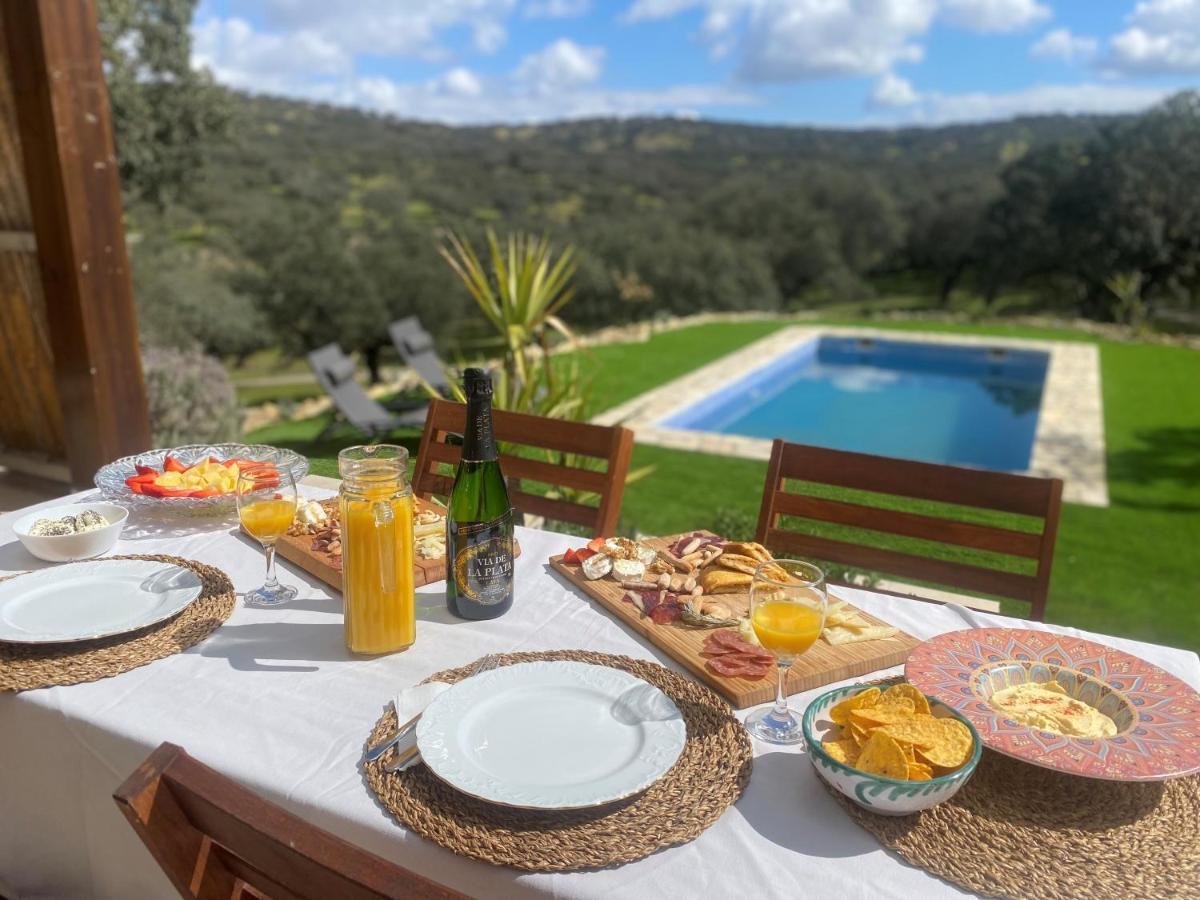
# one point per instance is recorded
(274, 700)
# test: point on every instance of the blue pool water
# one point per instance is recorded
(934, 402)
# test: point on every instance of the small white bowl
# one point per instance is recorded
(72, 547)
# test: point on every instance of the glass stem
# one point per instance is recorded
(272, 581)
(781, 708)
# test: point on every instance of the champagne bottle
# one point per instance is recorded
(479, 521)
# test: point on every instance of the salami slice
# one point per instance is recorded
(665, 613)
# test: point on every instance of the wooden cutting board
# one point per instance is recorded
(823, 664)
(297, 549)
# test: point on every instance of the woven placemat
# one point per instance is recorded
(1021, 831)
(710, 775)
(27, 666)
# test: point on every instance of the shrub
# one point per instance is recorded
(190, 396)
(734, 524)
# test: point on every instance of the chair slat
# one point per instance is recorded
(556, 510)
(612, 444)
(522, 428)
(533, 469)
(906, 565)
(892, 521)
(1016, 494)
(175, 803)
(1001, 491)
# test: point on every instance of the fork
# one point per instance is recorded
(380, 749)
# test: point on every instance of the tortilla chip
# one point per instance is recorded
(899, 710)
(953, 748)
(840, 712)
(919, 772)
(881, 755)
(844, 750)
(920, 703)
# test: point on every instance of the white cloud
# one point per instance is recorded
(242, 57)
(563, 64)
(787, 40)
(791, 40)
(556, 82)
(1163, 37)
(1062, 44)
(994, 15)
(892, 91)
(555, 9)
(461, 82)
(935, 108)
(389, 27)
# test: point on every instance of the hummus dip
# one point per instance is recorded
(1048, 707)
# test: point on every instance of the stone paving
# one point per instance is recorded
(1069, 442)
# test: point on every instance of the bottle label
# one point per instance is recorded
(483, 563)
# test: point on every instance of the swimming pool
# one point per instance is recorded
(964, 405)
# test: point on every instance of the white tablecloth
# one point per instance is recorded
(274, 700)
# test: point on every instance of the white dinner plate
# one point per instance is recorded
(551, 735)
(86, 600)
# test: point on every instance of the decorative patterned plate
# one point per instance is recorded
(551, 735)
(1157, 715)
(111, 478)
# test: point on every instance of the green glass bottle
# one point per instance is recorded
(479, 521)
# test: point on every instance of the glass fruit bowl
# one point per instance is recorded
(111, 478)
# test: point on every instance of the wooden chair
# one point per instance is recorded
(214, 838)
(612, 444)
(1021, 495)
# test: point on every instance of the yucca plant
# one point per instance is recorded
(520, 292)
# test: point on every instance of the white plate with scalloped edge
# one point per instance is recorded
(551, 735)
(94, 599)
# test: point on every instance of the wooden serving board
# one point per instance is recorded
(297, 549)
(823, 664)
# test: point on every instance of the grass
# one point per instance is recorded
(1131, 569)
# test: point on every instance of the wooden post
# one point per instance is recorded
(75, 197)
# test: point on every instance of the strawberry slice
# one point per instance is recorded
(570, 558)
(145, 470)
(171, 464)
(596, 544)
(584, 553)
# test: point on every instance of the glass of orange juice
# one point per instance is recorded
(787, 611)
(266, 502)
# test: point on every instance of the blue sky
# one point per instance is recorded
(831, 62)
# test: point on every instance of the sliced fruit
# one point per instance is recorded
(171, 464)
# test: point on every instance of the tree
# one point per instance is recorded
(164, 112)
(307, 282)
(945, 234)
(398, 258)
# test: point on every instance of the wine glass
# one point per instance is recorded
(787, 611)
(266, 502)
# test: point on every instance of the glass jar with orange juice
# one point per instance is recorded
(376, 512)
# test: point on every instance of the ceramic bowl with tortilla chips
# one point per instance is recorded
(879, 793)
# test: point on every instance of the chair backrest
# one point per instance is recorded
(214, 838)
(612, 444)
(416, 348)
(335, 373)
(997, 501)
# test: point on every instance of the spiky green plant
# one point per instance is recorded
(520, 291)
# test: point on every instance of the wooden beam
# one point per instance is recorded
(75, 195)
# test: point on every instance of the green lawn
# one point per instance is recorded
(1131, 569)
